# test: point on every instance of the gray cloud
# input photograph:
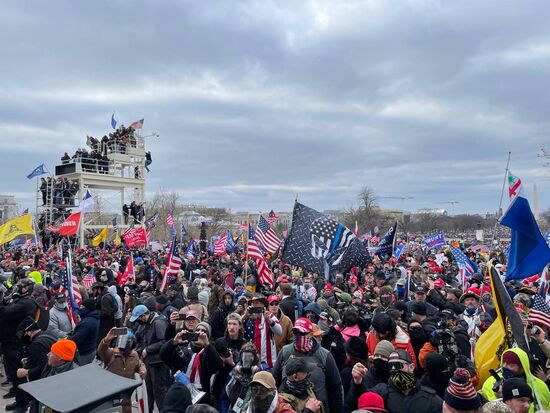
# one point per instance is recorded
(259, 101)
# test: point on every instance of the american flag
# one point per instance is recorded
(221, 245)
(463, 262)
(173, 265)
(70, 287)
(265, 277)
(138, 124)
(252, 246)
(540, 311)
(266, 237)
(54, 226)
(25, 212)
(170, 220)
(89, 280)
(272, 217)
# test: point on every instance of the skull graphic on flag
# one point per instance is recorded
(329, 241)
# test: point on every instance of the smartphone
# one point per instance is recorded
(182, 317)
(121, 331)
(255, 310)
(190, 336)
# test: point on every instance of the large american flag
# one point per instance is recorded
(252, 246)
(265, 277)
(266, 237)
(115, 225)
(540, 311)
(173, 265)
(221, 245)
(272, 217)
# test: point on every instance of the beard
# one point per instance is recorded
(261, 399)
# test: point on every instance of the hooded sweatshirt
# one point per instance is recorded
(112, 290)
(218, 318)
(535, 383)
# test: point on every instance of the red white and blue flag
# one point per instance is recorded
(266, 237)
(173, 265)
(221, 245)
(272, 217)
(89, 280)
(69, 286)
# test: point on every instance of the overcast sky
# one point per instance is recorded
(257, 101)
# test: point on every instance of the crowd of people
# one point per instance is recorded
(393, 336)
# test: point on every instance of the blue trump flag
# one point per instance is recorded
(39, 170)
(529, 252)
(398, 251)
(113, 121)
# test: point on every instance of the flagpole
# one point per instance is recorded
(500, 202)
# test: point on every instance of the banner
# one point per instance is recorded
(398, 251)
(15, 227)
(135, 237)
(387, 244)
(70, 226)
(101, 237)
(435, 240)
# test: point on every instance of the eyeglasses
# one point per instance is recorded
(200, 330)
(274, 304)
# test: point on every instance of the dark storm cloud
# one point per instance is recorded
(257, 102)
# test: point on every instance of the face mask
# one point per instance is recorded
(297, 388)
(381, 369)
(302, 344)
(509, 374)
(61, 306)
(402, 380)
(313, 318)
(306, 286)
(323, 326)
(470, 311)
(417, 335)
(440, 378)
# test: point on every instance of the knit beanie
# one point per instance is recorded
(460, 394)
(514, 388)
(436, 363)
(64, 349)
(206, 327)
(357, 348)
(192, 293)
(177, 399)
(384, 348)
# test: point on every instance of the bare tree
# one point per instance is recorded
(164, 203)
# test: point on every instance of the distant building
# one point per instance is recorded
(434, 211)
(8, 208)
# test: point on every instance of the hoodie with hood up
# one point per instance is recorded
(112, 290)
(540, 386)
(218, 318)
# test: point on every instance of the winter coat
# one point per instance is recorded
(112, 290)
(106, 307)
(12, 314)
(420, 399)
(334, 342)
(350, 332)
(288, 306)
(60, 324)
(541, 387)
(217, 321)
(288, 335)
(37, 354)
(86, 331)
(401, 341)
(151, 336)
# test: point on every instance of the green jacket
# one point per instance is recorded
(540, 386)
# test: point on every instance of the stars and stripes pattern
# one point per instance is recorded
(70, 287)
(266, 237)
(252, 246)
(25, 212)
(272, 217)
(221, 245)
(540, 311)
(464, 263)
(173, 265)
(265, 277)
(170, 220)
(89, 280)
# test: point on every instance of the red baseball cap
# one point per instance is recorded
(303, 325)
(273, 297)
(353, 279)
(372, 402)
(439, 283)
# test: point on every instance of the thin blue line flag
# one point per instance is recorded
(39, 170)
(529, 252)
(113, 121)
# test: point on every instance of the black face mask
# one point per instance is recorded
(418, 335)
(440, 379)
(297, 388)
(381, 370)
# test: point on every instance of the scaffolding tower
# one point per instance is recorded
(121, 170)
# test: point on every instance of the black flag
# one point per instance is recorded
(322, 245)
(386, 244)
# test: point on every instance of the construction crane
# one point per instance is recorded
(402, 198)
(452, 203)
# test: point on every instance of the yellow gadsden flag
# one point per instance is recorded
(101, 237)
(15, 227)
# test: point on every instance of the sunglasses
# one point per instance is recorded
(301, 333)
(274, 304)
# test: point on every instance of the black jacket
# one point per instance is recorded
(37, 354)
(86, 332)
(151, 337)
(12, 314)
(288, 306)
(217, 321)
(421, 399)
(334, 342)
